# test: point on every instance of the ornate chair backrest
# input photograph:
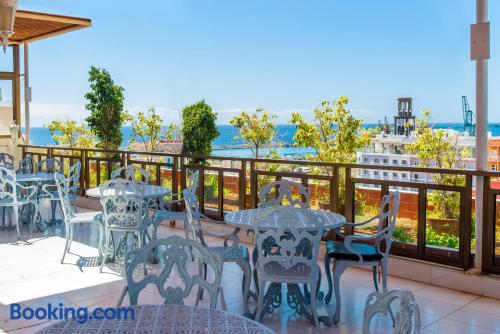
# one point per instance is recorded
(193, 181)
(6, 160)
(275, 193)
(389, 207)
(50, 165)
(64, 190)
(288, 237)
(132, 173)
(407, 318)
(193, 215)
(8, 188)
(74, 178)
(173, 251)
(26, 165)
(123, 204)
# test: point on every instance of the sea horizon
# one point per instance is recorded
(228, 144)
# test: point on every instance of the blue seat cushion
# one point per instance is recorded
(338, 251)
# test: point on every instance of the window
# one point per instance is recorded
(415, 176)
(376, 161)
(404, 162)
(394, 174)
(394, 162)
(385, 174)
(403, 175)
(365, 160)
(493, 167)
(365, 172)
(386, 161)
(375, 173)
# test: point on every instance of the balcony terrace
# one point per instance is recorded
(31, 274)
(450, 293)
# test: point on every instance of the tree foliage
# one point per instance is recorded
(148, 130)
(199, 128)
(335, 135)
(105, 103)
(71, 134)
(256, 129)
(439, 148)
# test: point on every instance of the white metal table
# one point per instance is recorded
(165, 319)
(246, 219)
(150, 191)
(35, 177)
(38, 178)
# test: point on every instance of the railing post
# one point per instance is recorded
(349, 200)
(201, 193)
(243, 185)
(253, 185)
(488, 237)
(465, 223)
(421, 222)
(220, 194)
(175, 180)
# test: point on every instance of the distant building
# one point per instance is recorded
(404, 122)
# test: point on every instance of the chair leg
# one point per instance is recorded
(384, 288)
(16, 219)
(105, 249)
(375, 278)
(328, 272)
(122, 296)
(71, 230)
(338, 270)
(314, 300)
(260, 301)
(222, 299)
(247, 279)
(66, 245)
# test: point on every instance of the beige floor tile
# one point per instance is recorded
(477, 318)
(447, 326)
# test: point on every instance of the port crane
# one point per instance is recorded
(469, 118)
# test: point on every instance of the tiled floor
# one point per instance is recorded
(31, 274)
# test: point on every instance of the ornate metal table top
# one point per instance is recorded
(246, 219)
(35, 177)
(150, 191)
(166, 319)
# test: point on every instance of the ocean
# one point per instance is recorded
(223, 145)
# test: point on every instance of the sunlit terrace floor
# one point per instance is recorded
(31, 274)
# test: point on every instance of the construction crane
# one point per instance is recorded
(469, 118)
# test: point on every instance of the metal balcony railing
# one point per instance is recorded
(230, 183)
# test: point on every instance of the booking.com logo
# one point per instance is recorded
(79, 314)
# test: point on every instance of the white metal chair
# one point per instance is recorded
(14, 195)
(132, 173)
(347, 252)
(26, 165)
(280, 193)
(165, 207)
(287, 254)
(65, 191)
(50, 165)
(124, 210)
(51, 192)
(407, 318)
(173, 251)
(6, 160)
(230, 251)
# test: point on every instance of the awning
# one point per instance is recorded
(34, 26)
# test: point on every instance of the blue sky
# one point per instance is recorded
(276, 54)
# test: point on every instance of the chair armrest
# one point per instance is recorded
(27, 192)
(227, 236)
(382, 234)
(47, 187)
